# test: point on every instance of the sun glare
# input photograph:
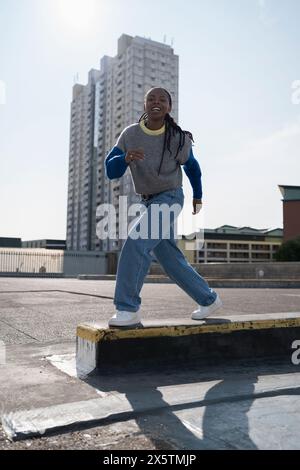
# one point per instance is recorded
(77, 14)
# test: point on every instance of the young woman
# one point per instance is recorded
(154, 149)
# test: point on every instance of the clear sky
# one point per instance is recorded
(238, 61)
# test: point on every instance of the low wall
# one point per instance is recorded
(42, 262)
(76, 263)
(275, 270)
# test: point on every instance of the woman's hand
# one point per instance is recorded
(134, 154)
(197, 206)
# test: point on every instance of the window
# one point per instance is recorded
(260, 247)
(239, 246)
(239, 255)
(216, 254)
(260, 256)
(220, 246)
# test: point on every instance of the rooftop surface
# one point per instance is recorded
(247, 404)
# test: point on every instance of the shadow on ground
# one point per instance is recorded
(218, 419)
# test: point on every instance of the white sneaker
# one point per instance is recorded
(124, 318)
(204, 311)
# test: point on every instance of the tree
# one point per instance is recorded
(289, 251)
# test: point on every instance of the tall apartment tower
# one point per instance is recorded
(118, 91)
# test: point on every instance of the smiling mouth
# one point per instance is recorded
(155, 109)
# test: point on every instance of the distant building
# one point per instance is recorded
(291, 211)
(46, 243)
(229, 244)
(10, 242)
(82, 184)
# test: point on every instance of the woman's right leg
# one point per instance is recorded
(135, 257)
(133, 266)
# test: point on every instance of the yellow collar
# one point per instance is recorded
(150, 131)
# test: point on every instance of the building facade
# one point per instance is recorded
(112, 100)
(10, 242)
(291, 211)
(229, 244)
(49, 244)
(81, 188)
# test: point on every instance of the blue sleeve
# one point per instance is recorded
(193, 172)
(115, 164)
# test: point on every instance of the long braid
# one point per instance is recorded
(171, 129)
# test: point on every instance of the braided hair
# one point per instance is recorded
(171, 129)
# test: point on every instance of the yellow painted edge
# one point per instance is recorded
(89, 333)
(97, 335)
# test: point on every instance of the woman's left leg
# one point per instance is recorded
(182, 272)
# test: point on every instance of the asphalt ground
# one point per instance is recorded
(43, 310)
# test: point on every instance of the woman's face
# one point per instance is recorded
(157, 104)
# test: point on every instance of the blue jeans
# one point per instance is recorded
(135, 258)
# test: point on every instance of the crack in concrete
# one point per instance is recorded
(20, 331)
(55, 290)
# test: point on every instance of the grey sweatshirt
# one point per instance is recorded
(145, 172)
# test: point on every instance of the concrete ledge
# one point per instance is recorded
(165, 343)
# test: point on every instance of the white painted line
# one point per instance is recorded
(67, 364)
(22, 424)
(198, 432)
(86, 356)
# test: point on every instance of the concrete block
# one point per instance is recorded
(155, 345)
